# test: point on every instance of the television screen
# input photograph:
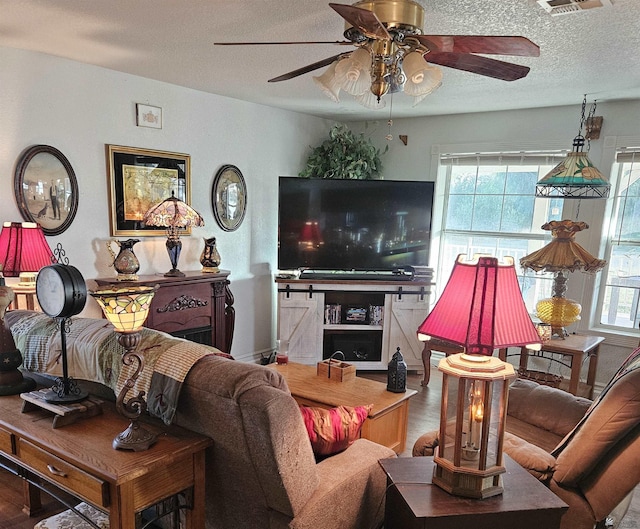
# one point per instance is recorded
(369, 225)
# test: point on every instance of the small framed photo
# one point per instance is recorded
(148, 116)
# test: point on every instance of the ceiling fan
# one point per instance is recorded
(393, 55)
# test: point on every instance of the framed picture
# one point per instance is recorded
(46, 188)
(140, 178)
(229, 197)
(148, 116)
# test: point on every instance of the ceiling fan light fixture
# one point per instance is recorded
(353, 72)
(422, 78)
(329, 83)
(370, 101)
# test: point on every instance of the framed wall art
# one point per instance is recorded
(148, 116)
(140, 178)
(46, 188)
(229, 197)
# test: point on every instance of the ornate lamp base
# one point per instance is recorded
(135, 438)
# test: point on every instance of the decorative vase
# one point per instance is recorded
(125, 263)
(210, 258)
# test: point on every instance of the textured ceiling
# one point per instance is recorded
(594, 52)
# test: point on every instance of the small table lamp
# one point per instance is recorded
(480, 309)
(24, 250)
(173, 214)
(561, 256)
(127, 309)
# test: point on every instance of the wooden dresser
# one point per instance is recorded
(198, 306)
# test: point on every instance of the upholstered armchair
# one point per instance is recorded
(588, 453)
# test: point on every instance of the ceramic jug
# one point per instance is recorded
(210, 258)
(125, 263)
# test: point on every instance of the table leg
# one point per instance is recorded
(593, 366)
(32, 502)
(524, 359)
(576, 365)
(426, 362)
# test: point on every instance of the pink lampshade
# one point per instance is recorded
(23, 248)
(481, 308)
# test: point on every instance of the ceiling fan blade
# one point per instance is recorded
(308, 68)
(521, 46)
(505, 71)
(341, 42)
(363, 19)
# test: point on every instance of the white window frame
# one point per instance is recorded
(620, 151)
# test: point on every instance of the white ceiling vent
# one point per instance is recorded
(567, 7)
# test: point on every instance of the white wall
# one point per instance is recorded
(545, 128)
(78, 109)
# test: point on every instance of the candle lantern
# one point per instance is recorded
(468, 460)
(397, 373)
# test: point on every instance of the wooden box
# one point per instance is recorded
(340, 371)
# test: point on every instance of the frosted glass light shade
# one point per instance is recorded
(353, 72)
(370, 101)
(329, 83)
(422, 78)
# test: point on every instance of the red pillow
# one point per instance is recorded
(334, 430)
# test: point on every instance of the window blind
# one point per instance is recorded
(506, 158)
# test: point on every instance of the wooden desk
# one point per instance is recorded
(575, 346)
(413, 502)
(387, 420)
(80, 460)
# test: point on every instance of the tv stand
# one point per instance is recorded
(366, 319)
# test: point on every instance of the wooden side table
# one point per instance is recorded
(413, 502)
(80, 460)
(576, 347)
(387, 420)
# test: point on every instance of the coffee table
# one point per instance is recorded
(387, 420)
(413, 502)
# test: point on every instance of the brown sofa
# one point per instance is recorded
(587, 453)
(260, 470)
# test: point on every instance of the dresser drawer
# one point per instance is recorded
(6, 444)
(58, 471)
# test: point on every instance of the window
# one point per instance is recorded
(490, 208)
(619, 297)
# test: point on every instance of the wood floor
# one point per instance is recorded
(424, 414)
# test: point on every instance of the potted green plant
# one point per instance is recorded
(344, 155)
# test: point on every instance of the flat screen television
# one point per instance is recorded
(363, 225)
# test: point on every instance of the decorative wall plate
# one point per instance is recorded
(229, 197)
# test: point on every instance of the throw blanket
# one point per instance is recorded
(93, 353)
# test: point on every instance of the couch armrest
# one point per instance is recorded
(351, 490)
(539, 463)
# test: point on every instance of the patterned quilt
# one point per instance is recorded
(93, 353)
